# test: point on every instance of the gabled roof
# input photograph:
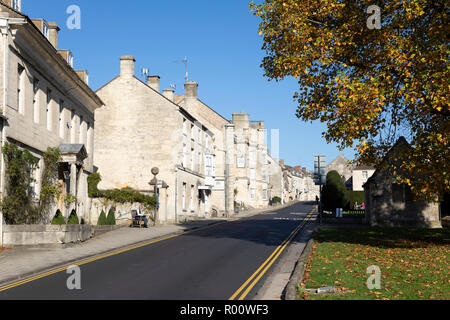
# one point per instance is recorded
(400, 146)
(72, 149)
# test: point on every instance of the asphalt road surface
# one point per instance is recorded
(207, 264)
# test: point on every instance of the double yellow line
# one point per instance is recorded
(253, 280)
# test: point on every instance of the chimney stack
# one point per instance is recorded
(169, 94)
(190, 89)
(127, 66)
(153, 82)
(53, 30)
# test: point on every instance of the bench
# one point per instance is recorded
(136, 220)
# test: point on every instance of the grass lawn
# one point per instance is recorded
(414, 263)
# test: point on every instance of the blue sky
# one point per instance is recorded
(221, 41)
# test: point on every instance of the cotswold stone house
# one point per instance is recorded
(251, 166)
(393, 205)
(138, 129)
(222, 192)
(45, 103)
(342, 166)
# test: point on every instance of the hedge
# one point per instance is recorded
(355, 196)
(58, 219)
(73, 218)
(111, 219)
(334, 193)
(102, 219)
(124, 195)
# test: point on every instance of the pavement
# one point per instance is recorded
(223, 250)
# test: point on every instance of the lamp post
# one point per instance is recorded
(154, 183)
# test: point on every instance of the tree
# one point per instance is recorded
(369, 86)
(334, 193)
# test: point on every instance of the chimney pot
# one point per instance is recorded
(153, 82)
(127, 66)
(169, 94)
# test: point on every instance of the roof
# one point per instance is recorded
(364, 168)
(72, 148)
(401, 143)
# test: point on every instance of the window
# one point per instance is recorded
(252, 156)
(192, 132)
(20, 91)
(252, 194)
(264, 195)
(191, 205)
(72, 127)
(61, 119)
(264, 175)
(15, 5)
(184, 155)
(192, 159)
(70, 59)
(184, 127)
(199, 163)
(398, 195)
(199, 136)
(45, 30)
(364, 176)
(49, 110)
(252, 174)
(80, 136)
(36, 100)
(183, 197)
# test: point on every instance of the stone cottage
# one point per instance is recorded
(393, 205)
(140, 128)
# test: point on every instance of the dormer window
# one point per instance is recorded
(16, 5)
(45, 30)
(70, 59)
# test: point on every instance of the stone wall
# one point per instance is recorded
(41, 235)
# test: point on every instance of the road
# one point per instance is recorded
(219, 262)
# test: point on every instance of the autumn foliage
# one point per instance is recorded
(369, 86)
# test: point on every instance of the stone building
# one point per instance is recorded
(138, 129)
(393, 205)
(222, 193)
(360, 176)
(251, 165)
(275, 178)
(343, 167)
(45, 103)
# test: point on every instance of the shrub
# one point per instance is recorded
(111, 218)
(276, 200)
(334, 193)
(73, 218)
(102, 219)
(17, 204)
(58, 219)
(125, 195)
(93, 180)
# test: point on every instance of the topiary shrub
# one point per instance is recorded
(334, 193)
(276, 200)
(73, 218)
(111, 218)
(102, 219)
(58, 219)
